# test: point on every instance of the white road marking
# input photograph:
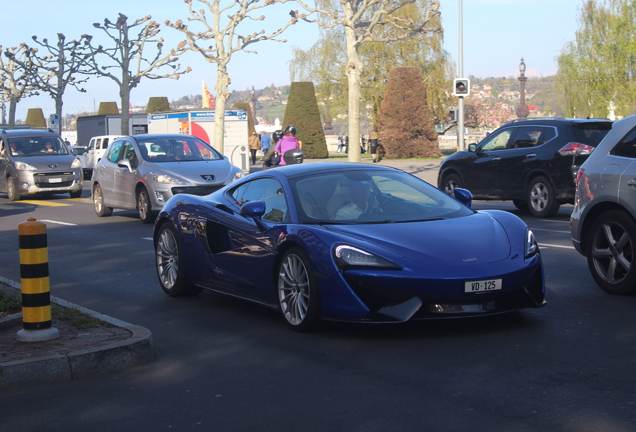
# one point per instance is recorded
(57, 222)
(556, 246)
(147, 238)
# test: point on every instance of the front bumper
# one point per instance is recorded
(51, 182)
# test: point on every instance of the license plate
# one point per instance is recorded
(482, 286)
(55, 180)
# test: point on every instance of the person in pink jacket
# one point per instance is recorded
(288, 142)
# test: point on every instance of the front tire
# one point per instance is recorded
(298, 291)
(610, 252)
(170, 268)
(12, 192)
(98, 203)
(451, 182)
(541, 199)
(76, 194)
(144, 207)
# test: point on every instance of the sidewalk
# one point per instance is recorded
(76, 354)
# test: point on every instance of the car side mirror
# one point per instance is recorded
(125, 163)
(472, 147)
(255, 209)
(463, 196)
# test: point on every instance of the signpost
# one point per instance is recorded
(54, 121)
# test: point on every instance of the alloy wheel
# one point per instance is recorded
(612, 252)
(167, 258)
(293, 289)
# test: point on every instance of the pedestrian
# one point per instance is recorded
(373, 144)
(346, 143)
(255, 145)
(265, 142)
(339, 142)
(288, 142)
(363, 145)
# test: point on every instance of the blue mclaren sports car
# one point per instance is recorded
(348, 242)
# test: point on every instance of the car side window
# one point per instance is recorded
(113, 153)
(128, 152)
(626, 147)
(267, 190)
(527, 136)
(91, 145)
(497, 142)
(105, 144)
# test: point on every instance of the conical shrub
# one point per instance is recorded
(302, 112)
(35, 117)
(157, 104)
(108, 108)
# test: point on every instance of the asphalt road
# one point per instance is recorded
(227, 365)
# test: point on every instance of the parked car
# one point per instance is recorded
(95, 151)
(37, 161)
(348, 242)
(142, 172)
(603, 221)
(532, 162)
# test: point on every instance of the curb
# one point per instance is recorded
(134, 351)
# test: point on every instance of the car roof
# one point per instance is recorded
(555, 120)
(28, 133)
(142, 137)
(313, 167)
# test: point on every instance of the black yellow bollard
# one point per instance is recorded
(35, 283)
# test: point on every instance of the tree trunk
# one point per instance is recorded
(354, 70)
(124, 93)
(13, 102)
(222, 83)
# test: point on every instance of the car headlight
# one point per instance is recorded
(531, 246)
(349, 256)
(237, 175)
(24, 166)
(76, 164)
(166, 179)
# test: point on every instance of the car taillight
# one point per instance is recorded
(579, 174)
(575, 149)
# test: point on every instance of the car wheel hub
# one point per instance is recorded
(293, 282)
(612, 258)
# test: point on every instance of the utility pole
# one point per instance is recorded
(460, 106)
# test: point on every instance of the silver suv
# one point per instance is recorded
(37, 161)
(142, 172)
(603, 222)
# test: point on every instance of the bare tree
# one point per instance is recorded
(361, 19)
(17, 68)
(225, 42)
(126, 56)
(64, 62)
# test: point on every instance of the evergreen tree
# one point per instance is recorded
(302, 112)
(108, 108)
(405, 125)
(35, 117)
(158, 104)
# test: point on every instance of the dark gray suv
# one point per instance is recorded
(37, 161)
(603, 221)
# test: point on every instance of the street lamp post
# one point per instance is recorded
(522, 109)
(254, 106)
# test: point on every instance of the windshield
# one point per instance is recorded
(591, 133)
(371, 197)
(37, 146)
(177, 149)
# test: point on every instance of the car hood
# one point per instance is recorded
(43, 163)
(478, 238)
(222, 170)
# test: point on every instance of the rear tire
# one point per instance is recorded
(12, 192)
(610, 252)
(521, 205)
(541, 199)
(169, 264)
(98, 203)
(451, 182)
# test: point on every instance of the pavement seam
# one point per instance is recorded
(133, 351)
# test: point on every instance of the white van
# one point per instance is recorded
(96, 149)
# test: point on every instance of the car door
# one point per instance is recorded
(106, 174)
(482, 176)
(125, 179)
(521, 158)
(4, 161)
(243, 253)
(91, 159)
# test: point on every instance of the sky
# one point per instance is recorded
(496, 35)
